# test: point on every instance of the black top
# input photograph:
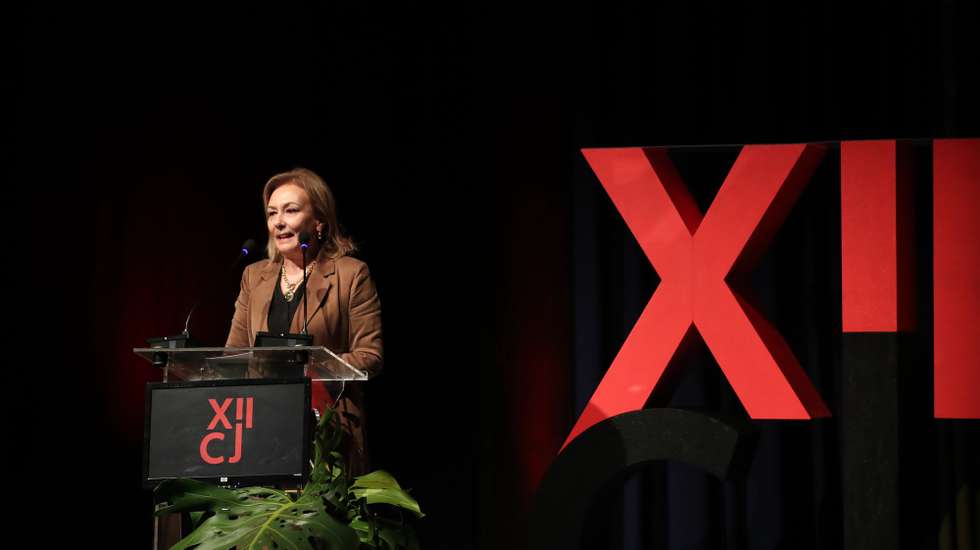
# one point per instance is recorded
(281, 312)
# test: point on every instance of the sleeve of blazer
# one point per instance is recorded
(364, 315)
(238, 335)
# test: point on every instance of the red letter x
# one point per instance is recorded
(693, 257)
(219, 413)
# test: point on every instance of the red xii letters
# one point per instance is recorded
(219, 416)
(694, 255)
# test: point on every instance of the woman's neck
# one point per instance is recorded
(294, 263)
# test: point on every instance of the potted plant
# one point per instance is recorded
(332, 511)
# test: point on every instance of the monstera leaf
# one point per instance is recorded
(374, 528)
(255, 518)
(329, 512)
(384, 533)
(380, 487)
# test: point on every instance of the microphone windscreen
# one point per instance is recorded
(304, 238)
(248, 247)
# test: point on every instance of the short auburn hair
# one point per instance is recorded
(333, 242)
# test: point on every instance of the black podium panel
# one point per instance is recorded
(228, 431)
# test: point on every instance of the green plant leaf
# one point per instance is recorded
(378, 479)
(184, 495)
(363, 529)
(329, 436)
(377, 532)
(255, 518)
(380, 487)
(397, 535)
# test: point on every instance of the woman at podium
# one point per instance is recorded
(343, 310)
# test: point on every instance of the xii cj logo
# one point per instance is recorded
(243, 420)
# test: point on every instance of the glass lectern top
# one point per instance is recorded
(316, 362)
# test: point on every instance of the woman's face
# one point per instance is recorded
(289, 212)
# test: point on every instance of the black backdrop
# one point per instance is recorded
(142, 135)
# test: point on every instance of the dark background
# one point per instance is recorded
(142, 134)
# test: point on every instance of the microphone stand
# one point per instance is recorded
(304, 243)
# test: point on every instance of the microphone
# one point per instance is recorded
(183, 339)
(304, 243)
(247, 248)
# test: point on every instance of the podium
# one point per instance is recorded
(233, 416)
(317, 363)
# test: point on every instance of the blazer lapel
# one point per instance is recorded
(262, 298)
(318, 287)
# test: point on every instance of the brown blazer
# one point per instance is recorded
(345, 316)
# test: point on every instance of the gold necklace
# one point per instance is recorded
(290, 292)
